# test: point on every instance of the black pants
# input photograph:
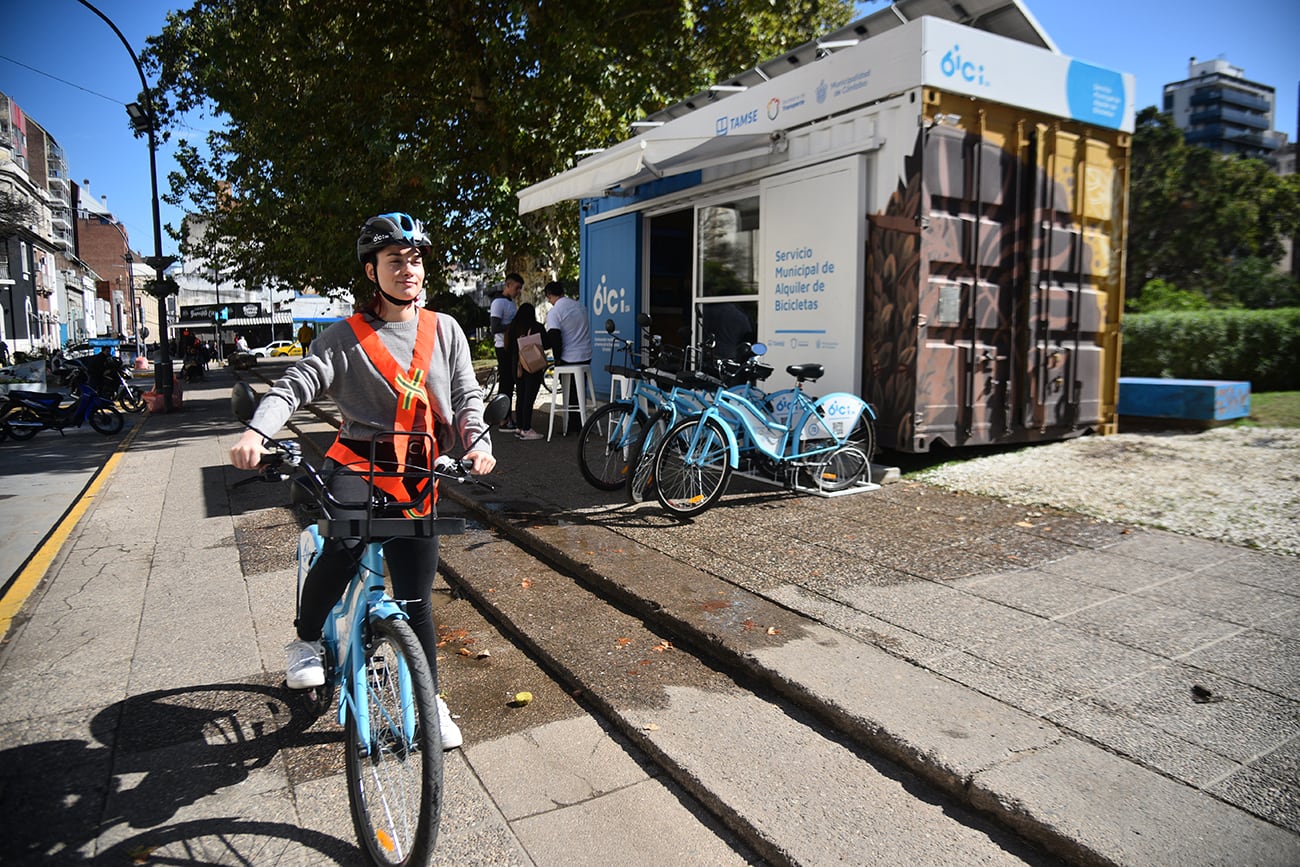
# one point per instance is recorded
(412, 564)
(505, 372)
(529, 384)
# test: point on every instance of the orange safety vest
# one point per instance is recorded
(414, 412)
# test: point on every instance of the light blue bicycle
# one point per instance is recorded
(821, 444)
(387, 695)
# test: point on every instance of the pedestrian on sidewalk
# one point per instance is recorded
(500, 314)
(527, 383)
(390, 366)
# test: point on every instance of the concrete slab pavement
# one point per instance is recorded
(1118, 695)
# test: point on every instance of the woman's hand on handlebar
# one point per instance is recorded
(246, 454)
(480, 463)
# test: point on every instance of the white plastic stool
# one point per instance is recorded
(578, 378)
(620, 386)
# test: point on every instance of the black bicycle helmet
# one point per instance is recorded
(388, 229)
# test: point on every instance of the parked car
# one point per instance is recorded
(294, 348)
(273, 348)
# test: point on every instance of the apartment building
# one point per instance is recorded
(47, 292)
(1217, 107)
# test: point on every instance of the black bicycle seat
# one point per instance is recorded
(810, 372)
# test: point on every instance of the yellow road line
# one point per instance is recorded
(16, 594)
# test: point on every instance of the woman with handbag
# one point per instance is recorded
(529, 366)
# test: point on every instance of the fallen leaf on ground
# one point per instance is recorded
(662, 646)
(651, 727)
(526, 583)
(772, 630)
(624, 642)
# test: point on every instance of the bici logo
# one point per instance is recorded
(953, 66)
(608, 300)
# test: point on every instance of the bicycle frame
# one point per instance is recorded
(781, 441)
(345, 629)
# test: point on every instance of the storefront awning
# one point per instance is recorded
(641, 160)
(715, 126)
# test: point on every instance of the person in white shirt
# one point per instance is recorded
(500, 314)
(568, 336)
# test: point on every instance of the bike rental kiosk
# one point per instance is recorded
(931, 207)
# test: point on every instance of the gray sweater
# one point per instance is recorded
(337, 365)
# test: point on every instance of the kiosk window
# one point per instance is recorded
(728, 249)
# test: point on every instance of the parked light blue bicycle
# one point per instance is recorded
(387, 695)
(821, 444)
(608, 439)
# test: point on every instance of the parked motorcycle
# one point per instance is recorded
(119, 386)
(26, 413)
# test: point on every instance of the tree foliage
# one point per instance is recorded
(1202, 221)
(15, 212)
(334, 111)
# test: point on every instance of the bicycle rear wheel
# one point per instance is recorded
(692, 466)
(395, 774)
(606, 442)
(838, 470)
(641, 460)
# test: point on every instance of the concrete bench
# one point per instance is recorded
(1203, 400)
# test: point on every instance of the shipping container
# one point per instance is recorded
(934, 211)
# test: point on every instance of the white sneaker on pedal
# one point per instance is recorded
(451, 738)
(304, 669)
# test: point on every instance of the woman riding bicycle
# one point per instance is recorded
(391, 366)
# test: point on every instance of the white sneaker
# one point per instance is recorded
(451, 738)
(304, 669)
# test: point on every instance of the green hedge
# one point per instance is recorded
(1260, 346)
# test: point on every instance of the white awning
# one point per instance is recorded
(643, 159)
(761, 103)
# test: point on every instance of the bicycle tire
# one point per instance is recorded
(605, 443)
(690, 476)
(29, 423)
(641, 460)
(864, 436)
(839, 469)
(106, 419)
(395, 784)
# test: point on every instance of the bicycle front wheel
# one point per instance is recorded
(606, 443)
(394, 767)
(641, 460)
(692, 466)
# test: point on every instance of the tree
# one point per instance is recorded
(336, 111)
(16, 212)
(1196, 216)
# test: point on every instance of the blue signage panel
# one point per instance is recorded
(611, 270)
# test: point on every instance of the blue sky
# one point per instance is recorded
(67, 69)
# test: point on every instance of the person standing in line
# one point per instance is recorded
(568, 336)
(501, 314)
(526, 384)
(390, 366)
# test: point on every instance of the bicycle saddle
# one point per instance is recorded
(810, 372)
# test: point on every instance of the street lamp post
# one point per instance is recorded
(145, 120)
